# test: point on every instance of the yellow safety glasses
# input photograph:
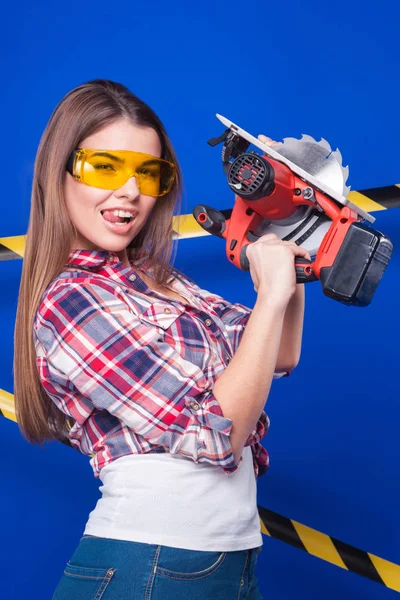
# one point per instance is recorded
(111, 169)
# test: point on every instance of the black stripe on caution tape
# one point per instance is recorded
(387, 196)
(330, 549)
(280, 527)
(357, 561)
(7, 253)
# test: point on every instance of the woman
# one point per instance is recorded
(162, 383)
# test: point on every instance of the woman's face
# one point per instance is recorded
(85, 203)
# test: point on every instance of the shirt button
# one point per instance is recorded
(167, 311)
(208, 322)
(195, 405)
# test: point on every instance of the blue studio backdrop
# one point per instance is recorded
(283, 69)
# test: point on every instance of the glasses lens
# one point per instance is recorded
(108, 170)
(155, 177)
(104, 170)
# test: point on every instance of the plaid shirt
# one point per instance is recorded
(134, 370)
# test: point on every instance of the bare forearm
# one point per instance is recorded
(292, 332)
(243, 388)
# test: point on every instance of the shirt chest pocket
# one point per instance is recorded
(161, 314)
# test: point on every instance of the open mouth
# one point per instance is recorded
(118, 220)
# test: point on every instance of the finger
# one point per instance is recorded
(268, 237)
(305, 255)
(294, 244)
(267, 140)
(296, 249)
(272, 238)
(299, 251)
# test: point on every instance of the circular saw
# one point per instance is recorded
(298, 190)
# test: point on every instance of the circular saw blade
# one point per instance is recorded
(317, 159)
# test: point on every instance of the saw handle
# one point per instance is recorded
(304, 271)
(210, 219)
(304, 267)
(215, 222)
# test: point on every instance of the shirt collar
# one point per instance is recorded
(92, 258)
(99, 258)
(110, 261)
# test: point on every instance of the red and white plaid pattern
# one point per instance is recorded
(134, 370)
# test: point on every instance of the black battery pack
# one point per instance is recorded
(358, 267)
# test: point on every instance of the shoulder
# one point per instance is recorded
(77, 283)
(70, 296)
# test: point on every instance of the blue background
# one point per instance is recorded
(326, 69)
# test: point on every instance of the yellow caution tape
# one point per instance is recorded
(186, 226)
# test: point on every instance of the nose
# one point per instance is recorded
(129, 190)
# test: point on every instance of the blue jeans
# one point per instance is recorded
(107, 569)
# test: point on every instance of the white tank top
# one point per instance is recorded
(169, 500)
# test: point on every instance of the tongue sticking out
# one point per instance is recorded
(109, 216)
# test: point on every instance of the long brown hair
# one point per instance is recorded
(82, 112)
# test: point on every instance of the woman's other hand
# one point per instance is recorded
(272, 267)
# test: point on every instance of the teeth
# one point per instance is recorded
(345, 171)
(338, 156)
(122, 213)
(307, 138)
(324, 144)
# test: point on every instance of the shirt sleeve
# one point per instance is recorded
(93, 338)
(234, 317)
